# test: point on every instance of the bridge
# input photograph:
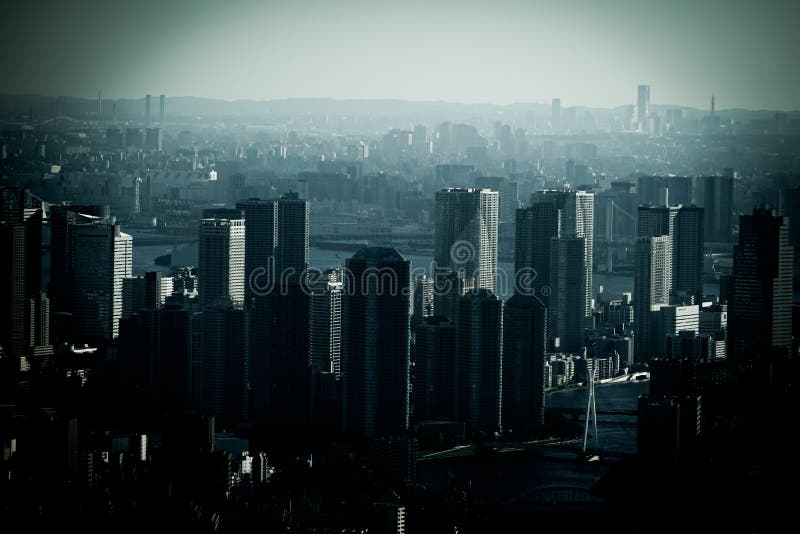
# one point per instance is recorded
(582, 411)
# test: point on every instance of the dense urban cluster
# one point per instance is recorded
(325, 316)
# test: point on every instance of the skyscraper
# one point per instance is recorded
(466, 234)
(555, 115)
(292, 245)
(62, 243)
(20, 264)
(147, 115)
(101, 259)
(643, 107)
(225, 370)
(436, 370)
(715, 195)
(480, 361)
(221, 256)
(163, 112)
(567, 302)
(652, 285)
(760, 309)
(555, 213)
(684, 224)
(524, 344)
(507, 195)
(325, 324)
(375, 343)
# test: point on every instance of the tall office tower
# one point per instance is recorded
(508, 197)
(221, 256)
(536, 226)
(147, 116)
(524, 345)
(163, 112)
(424, 292)
(687, 255)
(291, 253)
(567, 303)
(684, 224)
(715, 195)
(480, 361)
(555, 115)
(466, 234)
(224, 367)
(435, 364)
(375, 343)
(62, 243)
(760, 309)
(555, 213)
(102, 257)
(713, 106)
(652, 285)
(643, 107)
(325, 325)
(261, 237)
(20, 263)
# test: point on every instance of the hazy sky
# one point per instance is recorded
(588, 52)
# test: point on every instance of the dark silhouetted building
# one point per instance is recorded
(375, 348)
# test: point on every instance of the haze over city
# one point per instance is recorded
(587, 52)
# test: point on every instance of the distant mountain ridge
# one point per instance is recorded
(211, 107)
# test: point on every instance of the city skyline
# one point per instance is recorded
(512, 41)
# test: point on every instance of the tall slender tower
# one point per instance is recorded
(102, 257)
(436, 369)
(652, 285)
(147, 116)
(524, 345)
(760, 310)
(375, 343)
(163, 112)
(643, 107)
(480, 361)
(466, 234)
(713, 106)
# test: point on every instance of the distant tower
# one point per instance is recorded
(114, 113)
(99, 105)
(713, 106)
(555, 115)
(137, 183)
(147, 111)
(163, 111)
(643, 106)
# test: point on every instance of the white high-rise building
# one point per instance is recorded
(221, 257)
(102, 258)
(466, 234)
(325, 324)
